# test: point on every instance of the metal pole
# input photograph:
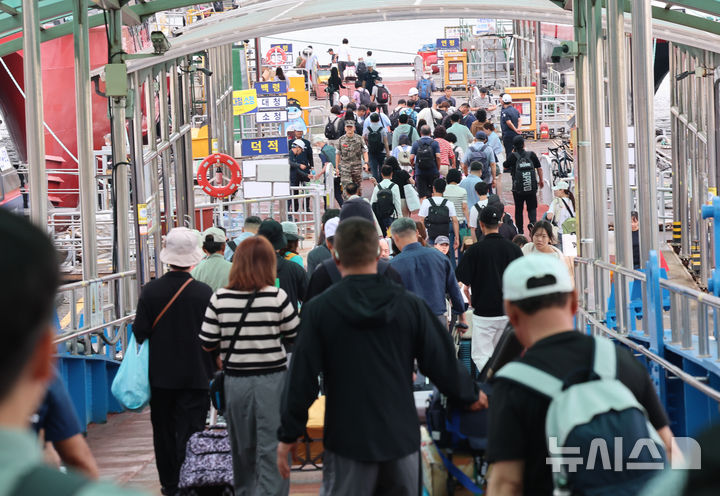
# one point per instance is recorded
(597, 131)
(86, 158)
(617, 96)
(185, 100)
(167, 170)
(140, 188)
(644, 112)
(177, 120)
(210, 99)
(673, 54)
(120, 168)
(538, 58)
(583, 184)
(34, 132)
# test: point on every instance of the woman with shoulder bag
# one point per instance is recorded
(561, 209)
(251, 320)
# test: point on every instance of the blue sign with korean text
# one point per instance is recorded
(271, 88)
(285, 47)
(447, 43)
(264, 146)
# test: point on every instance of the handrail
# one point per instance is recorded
(90, 330)
(677, 371)
(88, 282)
(621, 270)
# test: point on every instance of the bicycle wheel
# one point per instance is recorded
(555, 170)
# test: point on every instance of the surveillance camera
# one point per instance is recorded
(160, 42)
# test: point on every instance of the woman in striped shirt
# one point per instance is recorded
(447, 156)
(255, 366)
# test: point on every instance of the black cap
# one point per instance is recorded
(273, 231)
(357, 207)
(490, 216)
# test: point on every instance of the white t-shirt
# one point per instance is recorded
(344, 53)
(473, 221)
(458, 196)
(560, 211)
(425, 206)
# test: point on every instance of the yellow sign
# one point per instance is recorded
(244, 101)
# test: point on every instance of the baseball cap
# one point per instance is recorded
(490, 216)
(344, 100)
(562, 185)
(273, 231)
(412, 91)
(318, 138)
(442, 240)
(357, 207)
(534, 275)
(331, 226)
(507, 98)
(291, 231)
(299, 144)
(217, 234)
(290, 128)
(349, 123)
(480, 135)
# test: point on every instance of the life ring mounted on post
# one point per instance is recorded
(217, 188)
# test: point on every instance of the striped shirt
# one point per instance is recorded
(458, 196)
(258, 349)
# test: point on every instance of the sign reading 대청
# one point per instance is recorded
(264, 146)
(271, 116)
(271, 88)
(272, 102)
(447, 43)
(244, 102)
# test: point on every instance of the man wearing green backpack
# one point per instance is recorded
(30, 278)
(569, 394)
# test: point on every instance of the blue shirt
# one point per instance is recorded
(383, 120)
(511, 114)
(436, 149)
(243, 236)
(427, 273)
(468, 120)
(57, 414)
(469, 184)
(495, 143)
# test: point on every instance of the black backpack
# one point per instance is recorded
(493, 201)
(375, 140)
(437, 221)
(331, 131)
(384, 206)
(383, 95)
(394, 120)
(364, 97)
(425, 157)
(524, 180)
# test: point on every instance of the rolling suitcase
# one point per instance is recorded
(207, 469)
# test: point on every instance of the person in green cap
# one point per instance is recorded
(213, 270)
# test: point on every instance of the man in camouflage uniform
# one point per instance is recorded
(351, 151)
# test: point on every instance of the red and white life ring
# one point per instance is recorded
(276, 56)
(218, 160)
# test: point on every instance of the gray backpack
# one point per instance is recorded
(585, 419)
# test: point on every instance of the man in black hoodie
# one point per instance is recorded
(363, 334)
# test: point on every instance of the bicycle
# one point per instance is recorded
(562, 162)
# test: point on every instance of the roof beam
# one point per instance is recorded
(683, 19)
(45, 12)
(712, 8)
(8, 10)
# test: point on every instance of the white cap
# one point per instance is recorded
(507, 98)
(535, 274)
(344, 100)
(217, 234)
(181, 248)
(291, 231)
(331, 226)
(562, 185)
(319, 138)
(412, 91)
(291, 127)
(299, 143)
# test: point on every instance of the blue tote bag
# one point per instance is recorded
(131, 386)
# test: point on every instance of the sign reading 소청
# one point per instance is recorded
(264, 146)
(244, 102)
(271, 116)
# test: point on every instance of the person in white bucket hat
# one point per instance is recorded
(169, 314)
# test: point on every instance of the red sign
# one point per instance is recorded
(276, 56)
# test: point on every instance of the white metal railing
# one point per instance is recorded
(555, 109)
(93, 314)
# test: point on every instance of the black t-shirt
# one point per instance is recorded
(401, 178)
(636, 249)
(482, 268)
(517, 414)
